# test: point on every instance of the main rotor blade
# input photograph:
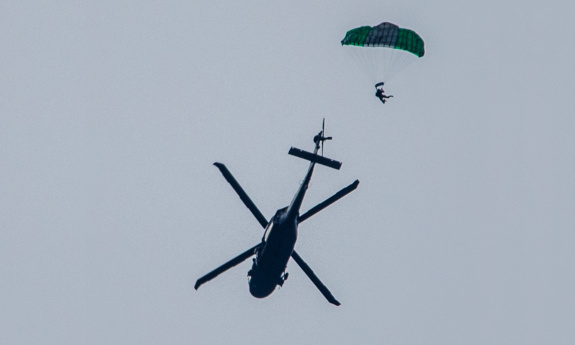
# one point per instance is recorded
(243, 195)
(329, 201)
(324, 291)
(233, 262)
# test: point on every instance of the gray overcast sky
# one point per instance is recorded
(112, 113)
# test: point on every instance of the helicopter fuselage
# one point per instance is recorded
(277, 244)
(273, 254)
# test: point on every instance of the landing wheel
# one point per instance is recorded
(283, 278)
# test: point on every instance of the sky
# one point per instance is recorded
(113, 112)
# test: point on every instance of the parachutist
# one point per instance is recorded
(380, 93)
(383, 49)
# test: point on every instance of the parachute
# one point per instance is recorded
(383, 50)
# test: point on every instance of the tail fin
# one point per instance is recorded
(315, 158)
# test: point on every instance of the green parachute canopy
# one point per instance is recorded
(385, 35)
(384, 50)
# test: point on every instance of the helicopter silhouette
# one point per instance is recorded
(277, 244)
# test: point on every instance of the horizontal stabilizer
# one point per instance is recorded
(315, 158)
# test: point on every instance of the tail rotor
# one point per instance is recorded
(319, 138)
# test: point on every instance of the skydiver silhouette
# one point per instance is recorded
(380, 93)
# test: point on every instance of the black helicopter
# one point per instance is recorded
(277, 244)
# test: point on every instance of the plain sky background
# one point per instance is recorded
(112, 113)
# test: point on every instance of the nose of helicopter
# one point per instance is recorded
(260, 289)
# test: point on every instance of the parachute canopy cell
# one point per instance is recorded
(385, 35)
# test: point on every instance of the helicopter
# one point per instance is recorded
(278, 241)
